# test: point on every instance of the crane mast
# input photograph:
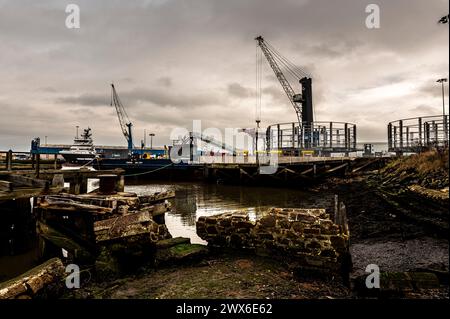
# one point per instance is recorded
(124, 121)
(302, 103)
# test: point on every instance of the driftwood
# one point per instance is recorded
(35, 282)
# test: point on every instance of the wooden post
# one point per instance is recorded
(336, 206)
(120, 184)
(55, 166)
(9, 160)
(38, 164)
(33, 160)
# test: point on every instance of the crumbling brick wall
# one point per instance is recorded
(306, 236)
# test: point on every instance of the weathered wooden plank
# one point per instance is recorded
(124, 226)
(27, 192)
(161, 196)
(157, 209)
(6, 186)
(334, 169)
(102, 201)
(33, 281)
(73, 206)
(27, 181)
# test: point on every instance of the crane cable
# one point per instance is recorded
(290, 66)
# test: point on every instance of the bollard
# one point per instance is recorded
(107, 184)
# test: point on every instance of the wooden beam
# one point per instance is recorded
(66, 206)
(6, 186)
(27, 181)
(336, 168)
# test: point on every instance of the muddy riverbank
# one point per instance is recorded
(379, 235)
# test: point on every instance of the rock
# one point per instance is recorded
(180, 252)
(167, 243)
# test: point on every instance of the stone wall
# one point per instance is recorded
(307, 237)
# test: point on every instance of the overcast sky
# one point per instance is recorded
(178, 61)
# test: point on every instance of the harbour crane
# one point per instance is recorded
(124, 120)
(302, 102)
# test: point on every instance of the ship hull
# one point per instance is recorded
(78, 159)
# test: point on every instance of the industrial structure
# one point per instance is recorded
(413, 135)
(306, 135)
(124, 120)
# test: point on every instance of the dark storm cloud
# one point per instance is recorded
(85, 99)
(156, 97)
(174, 61)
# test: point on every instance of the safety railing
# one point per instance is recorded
(417, 134)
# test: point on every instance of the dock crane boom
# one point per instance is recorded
(302, 103)
(124, 121)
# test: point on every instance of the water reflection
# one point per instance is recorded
(194, 200)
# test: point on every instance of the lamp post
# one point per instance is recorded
(151, 139)
(442, 81)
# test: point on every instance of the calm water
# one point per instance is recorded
(194, 200)
(191, 201)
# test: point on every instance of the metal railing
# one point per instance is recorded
(418, 133)
(329, 137)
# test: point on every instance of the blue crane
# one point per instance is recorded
(124, 120)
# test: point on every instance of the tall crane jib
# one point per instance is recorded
(124, 121)
(301, 102)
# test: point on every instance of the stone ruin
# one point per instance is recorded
(306, 237)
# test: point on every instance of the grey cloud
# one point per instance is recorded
(85, 99)
(176, 60)
(161, 98)
(237, 90)
(165, 81)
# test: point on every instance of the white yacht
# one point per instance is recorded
(82, 151)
